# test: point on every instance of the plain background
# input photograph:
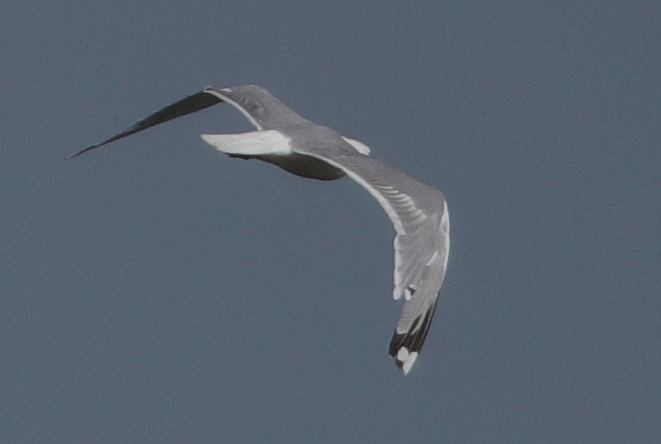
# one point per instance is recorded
(158, 292)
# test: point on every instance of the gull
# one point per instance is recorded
(418, 212)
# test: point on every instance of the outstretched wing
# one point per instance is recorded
(187, 105)
(418, 212)
(420, 216)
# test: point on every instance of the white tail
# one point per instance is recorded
(254, 143)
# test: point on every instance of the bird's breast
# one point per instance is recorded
(304, 166)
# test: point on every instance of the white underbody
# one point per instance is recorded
(274, 147)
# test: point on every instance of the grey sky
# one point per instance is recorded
(158, 292)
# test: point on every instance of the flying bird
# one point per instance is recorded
(418, 212)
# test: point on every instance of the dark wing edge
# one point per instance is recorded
(188, 105)
(403, 345)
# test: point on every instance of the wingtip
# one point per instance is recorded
(78, 153)
(405, 360)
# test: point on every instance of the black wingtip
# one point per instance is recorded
(78, 153)
(414, 338)
(187, 105)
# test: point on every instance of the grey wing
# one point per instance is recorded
(420, 216)
(193, 103)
